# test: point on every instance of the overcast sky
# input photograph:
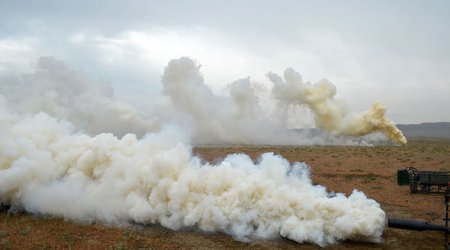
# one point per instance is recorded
(396, 52)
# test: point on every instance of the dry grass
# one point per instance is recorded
(342, 169)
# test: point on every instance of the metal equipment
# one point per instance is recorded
(416, 225)
(422, 226)
(424, 182)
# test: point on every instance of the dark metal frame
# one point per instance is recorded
(447, 201)
(422, 226)
(427, 182)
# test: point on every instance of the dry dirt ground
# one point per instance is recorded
(341, 169)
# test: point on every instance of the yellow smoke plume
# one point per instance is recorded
(331, 114)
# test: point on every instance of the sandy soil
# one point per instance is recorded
(341, 169)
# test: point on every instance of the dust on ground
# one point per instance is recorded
(340, 168)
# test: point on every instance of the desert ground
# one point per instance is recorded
(340, 168)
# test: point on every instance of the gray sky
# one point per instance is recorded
(396, 52)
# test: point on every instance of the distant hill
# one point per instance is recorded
(426, 130)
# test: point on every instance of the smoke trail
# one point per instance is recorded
(331, 114)
(48, 167)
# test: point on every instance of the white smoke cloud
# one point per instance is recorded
(48, 167)
(241, 119)
(64, 93)
(69, 148)
(247, 116)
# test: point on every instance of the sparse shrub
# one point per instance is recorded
(45, 247)
(121, 245)
(24, 231)
(4, 244)
(128, 234)
(370, 178)
(3, 233)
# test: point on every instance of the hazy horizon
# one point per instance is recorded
(393, 52)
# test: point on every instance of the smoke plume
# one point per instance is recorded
(67, 94)
(70, 148)
(242, 117)
(47, 166)
(331, 114)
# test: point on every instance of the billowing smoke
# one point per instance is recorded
(242, 117)
(218, 119)
(331, 114)
(47, 166)
(67, 94)
(70, 148)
